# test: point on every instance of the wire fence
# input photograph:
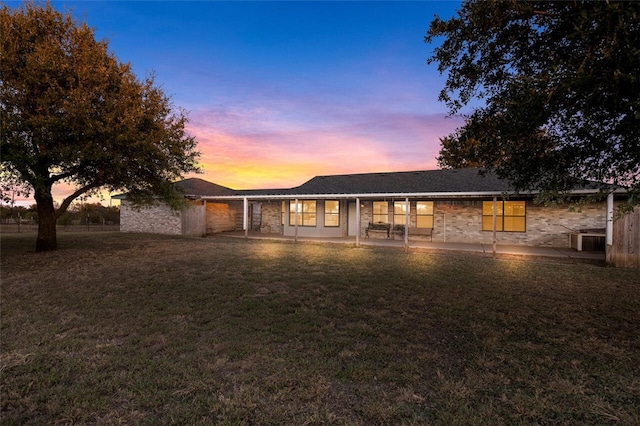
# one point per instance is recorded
(9, 228)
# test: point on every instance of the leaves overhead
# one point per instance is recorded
(554, 88)
(72, 113)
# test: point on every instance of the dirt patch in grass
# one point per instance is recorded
(145, 329)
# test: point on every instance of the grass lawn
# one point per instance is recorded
(146, 329)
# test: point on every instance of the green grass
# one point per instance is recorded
(142, 329)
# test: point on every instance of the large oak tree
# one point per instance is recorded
(72, 113)
(554, 89)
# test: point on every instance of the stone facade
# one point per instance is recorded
(454, 221)
(271, 218)
(156, 219)
(222, 216)
(460, 221)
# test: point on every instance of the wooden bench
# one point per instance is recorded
(378, 227)
(423, 232)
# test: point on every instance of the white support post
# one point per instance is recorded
(297, 207)
(204, 225)
(406, 223)
(357, 222)
(609, 227)
(245, 216)
(495, 219)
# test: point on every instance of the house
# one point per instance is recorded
(453, 205)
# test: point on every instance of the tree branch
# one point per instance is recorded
(67, 201)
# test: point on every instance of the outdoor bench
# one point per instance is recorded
(424, 232)
(378, 227)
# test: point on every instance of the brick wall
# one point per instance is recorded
(271, 217)
(222, 216)
(460, 221)
(156, 219)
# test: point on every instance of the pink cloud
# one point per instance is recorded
(245, 149)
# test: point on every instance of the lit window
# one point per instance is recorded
(399, 213)
(380, 212)
(424, 214)
(331, 213)
(306, 213)
(510, 216)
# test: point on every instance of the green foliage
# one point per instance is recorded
(72, 113)
(554, 87)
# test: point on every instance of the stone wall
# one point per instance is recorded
(460, 221)
(157, 219)
(222, 216)
(271, 218)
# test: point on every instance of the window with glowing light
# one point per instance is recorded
(399, 213)
(510, 216)
(380, 212)
(424, 214)
(331, 213)
(306, 213)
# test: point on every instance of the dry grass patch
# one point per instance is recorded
(143, 329)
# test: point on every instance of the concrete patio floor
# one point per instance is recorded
(501, 249)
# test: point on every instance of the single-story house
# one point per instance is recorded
(452, 205)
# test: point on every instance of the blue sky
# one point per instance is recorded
(279, 92)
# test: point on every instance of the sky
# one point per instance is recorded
(280, 92)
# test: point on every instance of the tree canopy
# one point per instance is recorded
(72, 113)
(554, 90)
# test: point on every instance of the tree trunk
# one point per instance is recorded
(47, 238)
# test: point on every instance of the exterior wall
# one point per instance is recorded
(223, 216)
(319, 230)
(156, 219)
(271, 218)
(461, 221)
(454, 221)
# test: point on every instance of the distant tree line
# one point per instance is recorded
(76, 214)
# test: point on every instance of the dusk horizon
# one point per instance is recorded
(280, 92)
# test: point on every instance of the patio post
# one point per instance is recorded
(495, 214)
(357, 222)
(609, 227)
(245, 218)
(406, 223)
(295, 238)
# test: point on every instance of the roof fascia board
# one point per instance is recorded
(389, 195)
(365, 195)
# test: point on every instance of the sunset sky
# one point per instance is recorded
(279, 92)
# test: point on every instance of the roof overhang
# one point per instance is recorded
(378, 195)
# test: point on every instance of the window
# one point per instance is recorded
(331, 213)
(380, 212)
(306, 213)
(424, 214)
(399, 213)
(510, 216)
